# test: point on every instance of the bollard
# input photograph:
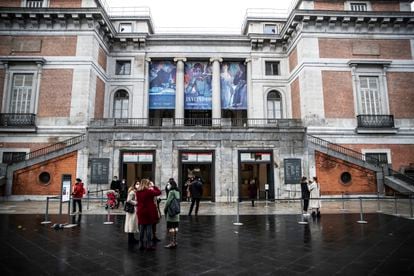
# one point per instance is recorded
(101, 197)
(411, 206)
(395, 206)
(108, 221)
(302, 221)
(361, 221)
(87, 203)
(46, 221)
(343, 203)
(267, 197)
(69, 202)
(238, 221)
(378, 204)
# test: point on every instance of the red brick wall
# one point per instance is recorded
(293, 59)
(99, 98)
(10, 3)
(401, 155)
(295, 92)
(339, 5)
(343, 48)
(55, 93)
(31, 146)
(102, 59)
(401, 94)
(1, 86)
(329, 5)
(50, 45)
(26, 181)
(65, 3)
(329, 170)
(338, 94)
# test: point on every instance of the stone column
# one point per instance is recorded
(179, 93)
(250, 104)
(216, 97)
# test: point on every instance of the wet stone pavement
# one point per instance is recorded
(211, 245)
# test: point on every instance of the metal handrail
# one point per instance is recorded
(346, 151)
(52, 148)
(197, 122)
(407, 179)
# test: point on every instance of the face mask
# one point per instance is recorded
(168, 186)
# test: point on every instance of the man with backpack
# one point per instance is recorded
(196, 189)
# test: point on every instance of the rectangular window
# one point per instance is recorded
(376, 157)
(359, 7)
(370, 96)
(21, 93)
(123, 67)
(272, 68)
(34, 3)
(9, 157)
(125, 28)
(270, 29)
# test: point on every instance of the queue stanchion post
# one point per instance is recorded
(238, 215)
(361, 220)
(395, 206)
(266, 195)
(343, 202)
(302, 216)
(378, 204)
(410, 198)
(108, 217)
(46, 221)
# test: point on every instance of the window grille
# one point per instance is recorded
(34, 3)
(359, 7)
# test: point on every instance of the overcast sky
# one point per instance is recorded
(226, 14)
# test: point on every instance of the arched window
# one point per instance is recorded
(121, 102)
(274, 105)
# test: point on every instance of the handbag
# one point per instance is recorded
(174, 207)
(129, 208)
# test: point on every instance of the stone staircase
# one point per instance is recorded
(39, 156)
(385, 176)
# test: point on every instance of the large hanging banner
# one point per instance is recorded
(233, 84)
(197, 85)
(162, 85)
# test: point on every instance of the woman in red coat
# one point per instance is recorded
(147, 212)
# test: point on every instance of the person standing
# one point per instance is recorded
(147, 213)
(172, 221)
(116, 186)
(77, 195)
(170, 183)
(315, 194)
(131, 221)
(252, 191)
(305, 195)
(123, 191)
(196, 189)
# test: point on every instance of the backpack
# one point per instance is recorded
(174, 207)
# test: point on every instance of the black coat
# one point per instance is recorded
(305, 190)
(196, 189)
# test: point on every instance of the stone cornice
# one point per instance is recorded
(26, 59)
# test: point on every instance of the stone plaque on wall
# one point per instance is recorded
(99, 170)
(26, 45)
(365, 48)
(293, 170)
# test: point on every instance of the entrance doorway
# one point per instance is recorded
(197, 164)
(256, 166)
(136, 166)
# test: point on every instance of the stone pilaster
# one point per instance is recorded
(250, 110)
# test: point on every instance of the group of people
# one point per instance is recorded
(143, 195)
(311, 194)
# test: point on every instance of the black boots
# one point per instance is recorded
(131, 239)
